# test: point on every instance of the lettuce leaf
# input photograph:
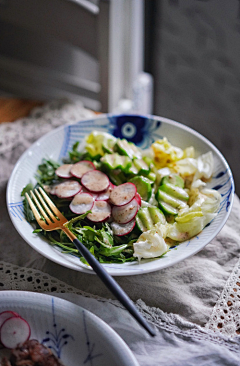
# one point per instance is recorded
(151, 244)
(186, 230)
(96, 141)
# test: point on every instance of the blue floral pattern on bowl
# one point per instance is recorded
(137, 129)
(58, 337)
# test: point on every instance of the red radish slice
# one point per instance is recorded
(81, 168)
(63, 171)
(68, 189)
(122, 229)
(138, 199)
(104, 196)
(95, 181)
(6, 315)
(124, 214)
(101, 211)
(81, 203)
(84, 190)
(123, 194)
(50, 189)
(13, 331)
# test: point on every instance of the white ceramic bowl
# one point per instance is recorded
(142, 130)
(75, 335)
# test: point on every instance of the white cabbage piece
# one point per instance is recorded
(151, 244)
(186, 230)
(199, 184)
(199, 168)
(205, 166)
(191, 220)
(211, 200)
(201, 202)
(189, 152)
(186, 167)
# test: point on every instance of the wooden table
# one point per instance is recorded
(12, 109)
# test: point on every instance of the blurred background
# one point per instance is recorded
(173, 58)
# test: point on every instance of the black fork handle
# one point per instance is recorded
(113, 286)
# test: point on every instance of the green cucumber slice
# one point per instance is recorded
(152, 176)
(174, 179)
(168, 209)
(116, 161)
(129, 149)
(144, 187)
(141, 166)
(147, 217)
(170, 200)
(175, 191)
(156, 215)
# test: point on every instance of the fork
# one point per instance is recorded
(52, 219)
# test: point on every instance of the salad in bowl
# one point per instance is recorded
(125, 203)
(140, 192)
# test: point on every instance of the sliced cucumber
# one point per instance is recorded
(116, 161)
(175, 191)
(152, 176)
(168, 209)
(117, 177)
(147, 217)
(144, 186)
(171, 200)
(129, 149)
(141, 166)
(156, 215)
(174, 179)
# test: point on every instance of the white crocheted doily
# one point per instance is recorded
(225, 317)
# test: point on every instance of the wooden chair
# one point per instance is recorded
(92, 50)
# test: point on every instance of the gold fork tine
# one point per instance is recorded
(45, 205)
(33, 208)
(51, 205)
(40, 208)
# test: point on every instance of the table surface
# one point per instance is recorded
(12, 109)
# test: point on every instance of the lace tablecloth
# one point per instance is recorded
(197, 301)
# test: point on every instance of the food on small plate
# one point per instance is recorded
(13, 329)
(31, 353)
(15, 335)
(125, 203)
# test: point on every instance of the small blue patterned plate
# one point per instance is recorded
(143, 131)
(76, 336)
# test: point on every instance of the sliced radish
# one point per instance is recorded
(122, 229)
(68, 189)
(95, 181)
(138, 199)
(13, 331)
(124, 214)
(81, 168)
(6, 315)
(104, 196)
(123, 194)
(51, 189)
(81, 203)
(64, 171)
(101, 211)
(85, 190)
